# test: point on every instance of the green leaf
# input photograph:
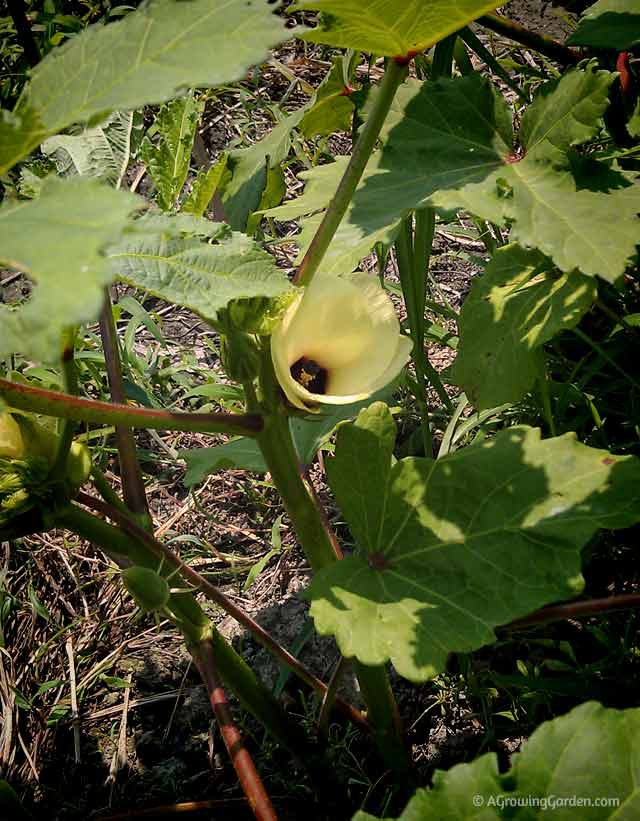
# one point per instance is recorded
(201, 276)
(393, 28)
(101, 152)
(512, 310)
(205, 185)
(451, 144)
(148, 57)
(248, 167)
(58, 240)
(570, 767)
(332, 109)
(612, 24)
(566, 112)
(168, 158)
(449, 549)
(239, 454)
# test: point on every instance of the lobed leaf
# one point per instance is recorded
(393, 28)
(161, 258)
(449, 549)
(148, 57)
(58, 240)
(585, 764)
(517, 305)
(610, 24)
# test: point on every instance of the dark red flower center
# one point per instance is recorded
(310, 375)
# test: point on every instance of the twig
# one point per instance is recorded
(540, 42)
(74, 700)
(23, 30)
(204, 657)
(120, 755)
(573, 610)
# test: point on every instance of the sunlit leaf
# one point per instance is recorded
(161, 257)
(451, 144)
(168, 156)
(518, 304)
(584, 764)
(393, 28)
(449, 549)
(58, 240)
(147, 57)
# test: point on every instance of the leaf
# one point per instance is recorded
(101, 152)
(585, 759)
(248, 167)
(148, 57)
(512, 310)
(566, 112)
(168, 159)
(205, 185)
(611, 24)
(393, 28)
(19, 134)
(238, 454)
(201, 276)
(332, 109)
(450, 144)
(449, 549)
(58, 240)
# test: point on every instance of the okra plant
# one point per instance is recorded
(471, 533)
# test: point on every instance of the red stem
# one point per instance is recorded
(572, 610)
(133, 488)
(250, 781)
(53, 403)
(215, 595)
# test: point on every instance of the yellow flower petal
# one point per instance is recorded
(347, 328)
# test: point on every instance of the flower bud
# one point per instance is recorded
(259, 315)
(11, 441)
(240, 357)
(338, 342)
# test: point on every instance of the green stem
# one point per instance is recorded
(70, 381)
(195, 625)
(165, 556)
(52, 403)
(104, 488)
(601, 351)
(393, 77)
(540, 42)
(321, 548)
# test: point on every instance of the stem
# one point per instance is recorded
(133, 488)
(23, 30)
(107, 492)
(476, 45)
(163, 553)
(572, 610)
(393, 77)
(601, 352)
(321, 548)
(193, 622)
(540, 42)
(52, 403)
(205, 659)
(70, 380)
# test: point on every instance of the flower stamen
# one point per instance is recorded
(309, 374)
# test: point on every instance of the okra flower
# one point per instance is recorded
(338, 342)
